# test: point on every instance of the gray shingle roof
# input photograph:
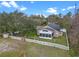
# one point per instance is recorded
(54, 26)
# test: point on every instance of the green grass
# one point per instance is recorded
(1, 39)
(45, 51)
(59, 40)
(10, 54)
(36, 50)
(33, 50)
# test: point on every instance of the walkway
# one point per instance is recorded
(43, 43)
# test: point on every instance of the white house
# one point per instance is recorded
(49, 31)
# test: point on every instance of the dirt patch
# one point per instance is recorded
(8, 45)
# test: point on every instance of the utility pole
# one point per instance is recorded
(75, 8)
(75, 13)
(73, 30)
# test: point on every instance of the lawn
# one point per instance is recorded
(33, 50)
(45, 51)
(59, 40)
(1, 39)
(10, 54)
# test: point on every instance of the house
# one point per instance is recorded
(49, 31)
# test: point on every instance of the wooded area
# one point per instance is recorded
(26, 25)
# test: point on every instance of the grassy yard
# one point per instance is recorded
(45, 51)
(1, 39)
(33, 50)
(59, 40)
(10, 54)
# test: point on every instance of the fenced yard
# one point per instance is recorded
(31, 50)
(59, 40)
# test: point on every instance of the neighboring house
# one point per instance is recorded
(49, 31)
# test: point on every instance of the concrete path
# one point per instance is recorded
(43, 43)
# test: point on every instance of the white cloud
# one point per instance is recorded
(70, 7)
(23, 8)
(63, 9)
(52, 10)
(14, 4)
(45, 15)
(6, 4)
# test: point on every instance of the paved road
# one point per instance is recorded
(43, 43)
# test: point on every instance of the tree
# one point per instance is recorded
(74, 35)
(17, 21)
(53, 18)
(3, 22)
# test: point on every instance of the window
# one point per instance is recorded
(45, 30)
(45, 35)
(40, 34)
(49, 35)
(52, 34)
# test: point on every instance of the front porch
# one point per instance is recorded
(46, 35)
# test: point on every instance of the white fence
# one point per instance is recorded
(43, 43)
(18, 38)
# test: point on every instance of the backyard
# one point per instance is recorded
(27, 49)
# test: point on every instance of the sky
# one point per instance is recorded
(38, 7)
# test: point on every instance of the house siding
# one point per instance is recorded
(57, 33)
